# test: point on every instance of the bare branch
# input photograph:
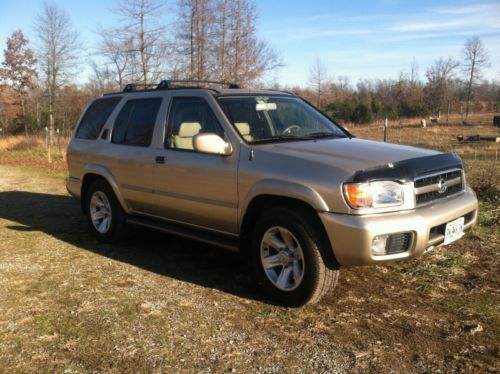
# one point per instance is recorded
(475, 58)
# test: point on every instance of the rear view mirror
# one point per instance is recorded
(212, 143)
(266, 106)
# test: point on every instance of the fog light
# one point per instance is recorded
(379, 245)
(390, 244)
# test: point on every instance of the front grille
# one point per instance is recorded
(436, 186)
(397, 243)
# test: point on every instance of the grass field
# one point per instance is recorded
(441, 136)
(157, 303)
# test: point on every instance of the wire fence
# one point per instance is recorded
(471, 143)
(441, 138)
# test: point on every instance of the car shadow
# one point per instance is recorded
(167, 255)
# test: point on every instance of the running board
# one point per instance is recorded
(220, 240)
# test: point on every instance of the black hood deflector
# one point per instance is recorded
(408, 170)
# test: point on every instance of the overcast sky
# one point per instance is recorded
(359, 39)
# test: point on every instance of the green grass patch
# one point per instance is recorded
(43, 325)
(474, 306)
(441, 268)
(280, 314)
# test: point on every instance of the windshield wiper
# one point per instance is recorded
(324, 134)
(279, 138)
(311, 136)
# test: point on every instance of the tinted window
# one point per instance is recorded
(135, 122)
(188, 117)
(95, 117)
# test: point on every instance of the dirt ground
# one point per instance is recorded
(157, 303)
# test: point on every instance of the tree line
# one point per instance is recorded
(205, 40)
(450, 86)
(208, 40)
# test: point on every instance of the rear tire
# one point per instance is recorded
(288, 252)
(105, 215)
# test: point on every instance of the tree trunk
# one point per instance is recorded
(223, 42)
(37, 114)
(23, 113)
(191, 45)
(49, 136)
(51, 120)
(143, 49)
(469, 89)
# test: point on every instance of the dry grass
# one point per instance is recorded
(442, 136)
(157, 303)
(33, 151)
(21, 143)
(30, 143)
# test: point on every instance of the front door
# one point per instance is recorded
(192, 187)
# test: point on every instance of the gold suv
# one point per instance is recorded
(265, 173)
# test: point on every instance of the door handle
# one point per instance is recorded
(160, 159)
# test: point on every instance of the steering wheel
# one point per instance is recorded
(290, 129)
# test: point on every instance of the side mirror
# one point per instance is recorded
(212, 143)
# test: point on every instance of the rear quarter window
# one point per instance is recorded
(95, 117)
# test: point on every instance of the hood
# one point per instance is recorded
(347, 154)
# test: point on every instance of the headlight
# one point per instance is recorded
(374, 194)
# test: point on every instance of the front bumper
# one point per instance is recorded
(351, 236)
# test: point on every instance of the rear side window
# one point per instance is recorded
(135, 122)
(95, 117)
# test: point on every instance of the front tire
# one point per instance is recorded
(105, 215)
(287, 255)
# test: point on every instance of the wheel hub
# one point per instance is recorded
(282, 258)
(100, 212)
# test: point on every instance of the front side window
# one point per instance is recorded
(135, 122)
(95, 117)
(278, 118)
(188, 117)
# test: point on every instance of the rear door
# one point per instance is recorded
(191, 187)
(129, 155)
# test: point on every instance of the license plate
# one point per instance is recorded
(454, 230)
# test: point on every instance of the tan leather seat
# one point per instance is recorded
(244, 129)
(186, 132)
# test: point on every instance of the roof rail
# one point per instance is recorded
(135, 87)
(282, 91)
(171, 84)
(166, 84)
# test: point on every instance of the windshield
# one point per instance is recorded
(274, 118)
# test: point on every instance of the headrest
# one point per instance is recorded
(189, 129)
(243, 128)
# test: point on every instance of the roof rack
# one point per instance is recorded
(131, 87)
(171, 84)
(166, 84)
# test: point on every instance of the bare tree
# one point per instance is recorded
(144, 32)
(342, 87)
(115, 48)
(103, 78)
(475, 58)
(318, 79)
(247, 57)
(19, 69)
(414, 79)
(194, 37)
(57, 53)
(439, 88)
(217, 40)
(221, 35)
